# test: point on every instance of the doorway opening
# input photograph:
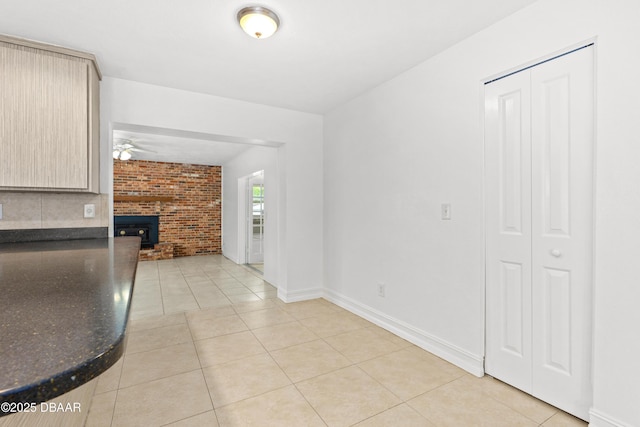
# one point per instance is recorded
(252, 207)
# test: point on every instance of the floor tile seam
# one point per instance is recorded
(239, 359)
(204, 307)
(203, 284)
(147, 293)
(217, 289)
(217, 336)
(382, 412)
(112, 411)
(139, 279)
(157, 348)
(169, 296)
(115, 399)
(212, 290)
(213, 318)
(243, 359)
(342, 333)
(213, 407)
(326, 423)
(408, 402)
(350, 365)
(224, 287)
(161, 379)
(280, 324)
(275, 360)
(117, 387)
(221, 407)
(292, 345)
(187, 287)
(209, 296)
(401, 400)
(267, 325)
(193, 416)
(371, 358)
(219, 275)
(431, 391)
(266, 309)
(237, 294)
(261, 343)
(208, 288)
(556, 410)
(172, 287)
(485, 395)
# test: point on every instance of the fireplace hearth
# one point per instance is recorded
(146, 227)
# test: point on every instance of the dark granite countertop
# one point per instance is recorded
(63, 313)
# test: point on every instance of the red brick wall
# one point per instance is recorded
(192, 221)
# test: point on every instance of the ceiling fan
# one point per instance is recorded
(123, 148)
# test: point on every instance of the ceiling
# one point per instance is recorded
(175, 149)
(325, 53)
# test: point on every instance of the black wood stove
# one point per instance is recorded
(145, 227)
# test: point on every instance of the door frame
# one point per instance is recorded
(524, 66)
(244, 208)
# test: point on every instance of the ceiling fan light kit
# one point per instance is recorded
(122, 149)
(258, 22)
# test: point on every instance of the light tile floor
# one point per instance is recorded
(211, 345)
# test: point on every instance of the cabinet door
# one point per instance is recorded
(43, 120)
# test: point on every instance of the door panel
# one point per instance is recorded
(508, 205)
(510, 178)
(557, 320)
(562, 233)
(511, 283)
(555, 136)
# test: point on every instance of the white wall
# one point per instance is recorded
(299, 263)
(253, 160)
(394, 154)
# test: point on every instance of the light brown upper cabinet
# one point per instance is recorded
(49, 118)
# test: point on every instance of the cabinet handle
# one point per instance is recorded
(556, 253)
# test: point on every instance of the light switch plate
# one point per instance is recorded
(0, 210)
(90, 211)
(445, 211)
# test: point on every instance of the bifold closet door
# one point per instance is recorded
(539, 229)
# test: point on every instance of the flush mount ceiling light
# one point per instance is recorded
(258, 21)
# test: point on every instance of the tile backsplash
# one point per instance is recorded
(32, 210)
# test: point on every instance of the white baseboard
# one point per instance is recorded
(600, 419)
(230, 257)
(472, 363)
(301, 295)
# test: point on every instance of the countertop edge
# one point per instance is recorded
(68, 380)
(96, 364)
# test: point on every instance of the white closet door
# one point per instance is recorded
(508, 230)
(539, 195)
(562, 189)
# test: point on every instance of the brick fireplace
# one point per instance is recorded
(187, 199)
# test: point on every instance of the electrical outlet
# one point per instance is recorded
(381, 290)
(445, 211)
(90, 211)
